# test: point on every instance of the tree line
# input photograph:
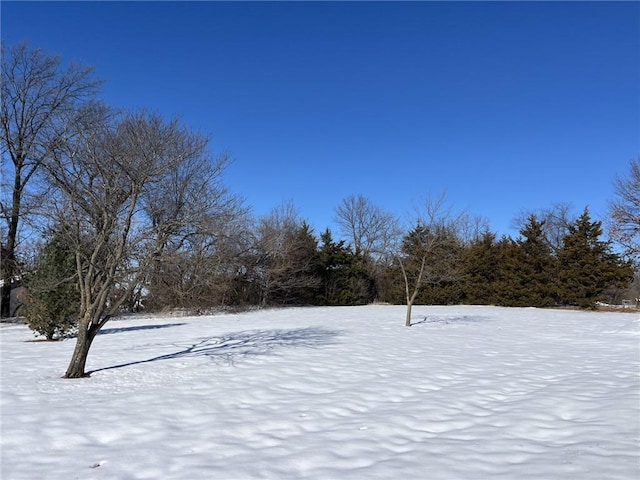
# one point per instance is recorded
(130, 212)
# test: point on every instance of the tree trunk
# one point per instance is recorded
(9, 263)
(407, 322)
(8, 272)
(76, 368)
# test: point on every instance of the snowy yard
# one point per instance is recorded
(468, 393)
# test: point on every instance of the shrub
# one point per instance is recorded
(54, 300)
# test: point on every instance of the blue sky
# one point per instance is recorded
(504, 105)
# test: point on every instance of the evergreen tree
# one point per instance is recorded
(54, 298)
(292, 269)
(480, 270)
(588, 265)
(345, 278)
(537, 267)
(506, 285)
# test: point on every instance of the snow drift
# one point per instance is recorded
(330, 393)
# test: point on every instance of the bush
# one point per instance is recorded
(47, 322)
(54, 299)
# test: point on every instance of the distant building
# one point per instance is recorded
(17, 296)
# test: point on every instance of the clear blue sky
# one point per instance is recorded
(504, 105)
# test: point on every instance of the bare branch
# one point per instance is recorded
(38, 98)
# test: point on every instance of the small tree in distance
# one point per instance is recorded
(430, 253)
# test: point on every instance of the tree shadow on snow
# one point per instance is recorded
(108, 331)
(231, 347)
(430, 319)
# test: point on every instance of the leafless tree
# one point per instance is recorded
(624, 221)
(199, 230)
(372, 232)
(431, 252)
(368, 227)
(38, 98)
(285, 248)
(206, 269)
(106, 177)
(555, 220)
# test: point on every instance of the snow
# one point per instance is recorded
(330, 393)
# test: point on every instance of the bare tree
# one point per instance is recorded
(430, 253)
(38, 99)
(205, 269)
(198, 227)
(368, 227)
(286, 250)
(555, 220)
(624, 221)
(372, 232)
(105, 175)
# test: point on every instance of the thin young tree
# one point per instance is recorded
(430, 253)
(38, 97)
(115, 162)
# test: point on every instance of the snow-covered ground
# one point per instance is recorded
(468, 393)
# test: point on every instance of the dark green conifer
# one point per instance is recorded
(536, 266)
(54, 298)
(345, 278)
(588, 265)
(298, 278)
(506, 285)
(480, 270)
